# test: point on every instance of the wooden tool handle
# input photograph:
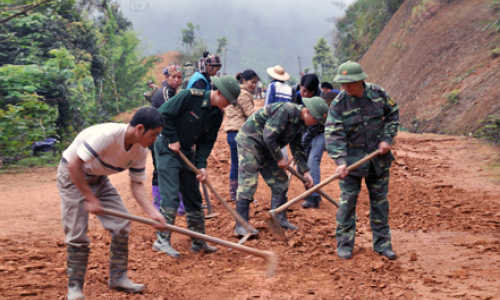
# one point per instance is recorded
(212, 188)
(264, 254)
(322, 184)
(303, 179)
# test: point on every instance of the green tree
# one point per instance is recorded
(323, 60)
(361, 24)
(221, 44)
(189, 37)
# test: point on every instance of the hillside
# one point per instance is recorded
(423, 62)
(166, 59)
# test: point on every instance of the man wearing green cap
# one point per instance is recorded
(259, 142)
(362, 119)
(192, 117)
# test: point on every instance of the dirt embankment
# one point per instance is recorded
(424, 59)
(166, 59)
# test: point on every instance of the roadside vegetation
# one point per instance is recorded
(64, 65)
(361, 24)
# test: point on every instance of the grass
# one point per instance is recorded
(27, 164)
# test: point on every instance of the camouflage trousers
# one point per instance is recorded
(378, 188)
(250, 164)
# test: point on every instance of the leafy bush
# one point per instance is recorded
(23, 124)
(491, 129)
(63, 67)
(452, 97)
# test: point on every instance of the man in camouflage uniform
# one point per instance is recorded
(259, 142)
(154, 88)
(362, 119)
(192, 117)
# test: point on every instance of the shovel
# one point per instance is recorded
(269, 256)
(210, 213)
(327, 197)
(224, 202)
(274, 224)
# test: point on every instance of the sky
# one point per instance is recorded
(260, 33)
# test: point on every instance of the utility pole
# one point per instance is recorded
(300, 68)
(225, 55)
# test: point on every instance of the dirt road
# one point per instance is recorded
(445, 220)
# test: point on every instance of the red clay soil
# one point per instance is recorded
(420, 61)
(445, 220)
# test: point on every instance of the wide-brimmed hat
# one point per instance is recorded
(228, 86)
(317, 107)
(278, 72)
(350, 72)
(150, 82)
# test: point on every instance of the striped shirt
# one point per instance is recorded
(278, 91)
(102, 148)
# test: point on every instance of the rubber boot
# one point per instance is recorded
(77, 259)
(163, 237)
(277, 201)
(311, 202)
(196, 222)
(233, 187)
(118, 264)
(242, 207)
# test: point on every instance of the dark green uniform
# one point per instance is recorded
(354, 128)
(190, 120)
(259, 142)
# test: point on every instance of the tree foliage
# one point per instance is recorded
(361, 24)
(64, 66)
(324, 62)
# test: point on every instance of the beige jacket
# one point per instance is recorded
(236, 116)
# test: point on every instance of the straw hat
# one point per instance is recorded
(278, 73)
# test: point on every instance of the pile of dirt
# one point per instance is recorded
(438, 64)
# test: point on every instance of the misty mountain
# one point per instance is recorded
(260, 33)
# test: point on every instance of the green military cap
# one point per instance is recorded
(318, 108)
(228, 86)
(350, 72)
(188, 64)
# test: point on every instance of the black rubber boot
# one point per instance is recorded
(277, 201)
(233, 187)
(196, 222)
(163, 237)
(77, 259)
(389, 254)
(118, 264)
(311, 202)
(242, 207)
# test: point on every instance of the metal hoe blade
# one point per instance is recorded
(210, 213)
(275, 228)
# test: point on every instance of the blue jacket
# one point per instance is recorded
(196, 77)
(278, 91)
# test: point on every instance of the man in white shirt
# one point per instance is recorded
(82, 180)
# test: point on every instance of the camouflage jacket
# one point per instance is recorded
(355, 126)
(272, 128)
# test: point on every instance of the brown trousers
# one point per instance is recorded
(75, 217)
